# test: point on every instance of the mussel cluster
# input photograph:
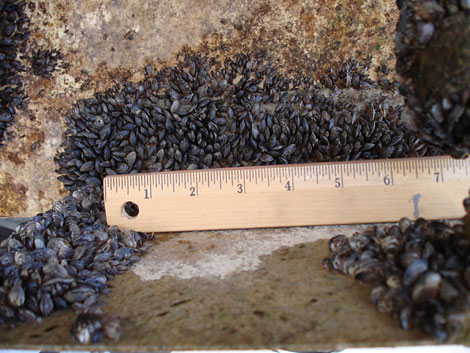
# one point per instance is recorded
(206, 114)
(13, 36)
(197, 114)
(350, 74)
(203, 114)
(63, 257)
(45, 61)
(420, 272)
(433, 59)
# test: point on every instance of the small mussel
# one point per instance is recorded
(92, 327)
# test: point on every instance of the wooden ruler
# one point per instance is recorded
(288, 195)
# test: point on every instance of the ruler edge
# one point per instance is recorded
(441, 159)
(275, 166)
(291, 226)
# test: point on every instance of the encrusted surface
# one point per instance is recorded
(272, 291)
(107, 41)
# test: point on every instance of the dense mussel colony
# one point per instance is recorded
(45, 61)
(198, 115)
(13, 36)
(433, 60)
(420, 271)
(63, 257)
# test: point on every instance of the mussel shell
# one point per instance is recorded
(358, 242)
(404, 224)
(407, 258)
(337, 242)
(406, 318)
(16, 296)
(466, 277)
(414, 271)
(426, 288)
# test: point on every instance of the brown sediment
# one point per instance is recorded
(12, 196)
(288, 301)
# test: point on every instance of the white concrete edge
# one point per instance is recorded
(411, 349)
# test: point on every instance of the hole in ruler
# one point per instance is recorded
(130, 209)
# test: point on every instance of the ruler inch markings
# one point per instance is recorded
(365, 190)
(342, 179)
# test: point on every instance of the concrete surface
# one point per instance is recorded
(204, 290)
(232, 290)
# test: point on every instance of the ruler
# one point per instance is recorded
(288, 195)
